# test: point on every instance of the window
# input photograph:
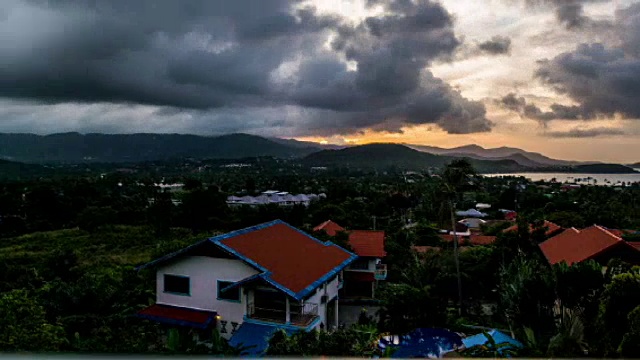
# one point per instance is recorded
(232, 294)
(360, 264)
(177, 284)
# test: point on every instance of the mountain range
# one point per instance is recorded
(72, 148)
(522, 157)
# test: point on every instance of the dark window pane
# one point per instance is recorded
(176, 284)
(230, 294)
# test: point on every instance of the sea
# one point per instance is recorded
(594, 179)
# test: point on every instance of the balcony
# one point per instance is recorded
(381, 272)
(299, 314)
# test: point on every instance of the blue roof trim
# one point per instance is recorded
(287, 327)
(243, 281)
(170, 321)
(314, 285)
(266, 274)
(169, 256)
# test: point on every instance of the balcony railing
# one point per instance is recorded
(381, 272)
(299, 314)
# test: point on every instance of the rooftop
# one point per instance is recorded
(573, 245)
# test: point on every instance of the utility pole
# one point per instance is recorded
(374, 222)
(455, 255)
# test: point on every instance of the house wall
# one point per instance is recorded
(371, 267)
(204, 273)
(331, 290)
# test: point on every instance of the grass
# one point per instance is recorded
(108, 246)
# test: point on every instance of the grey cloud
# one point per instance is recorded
(585, 133)
(558, 112)
(206, 58)
(570, 13)
(497, 45)
(604, 81)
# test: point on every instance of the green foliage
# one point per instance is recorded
(356, 341)
(620, 297)
(567, 219)
(24, 325)
(630, 345)
(405, 308)
(527, 294)
(578, 286)
(491, 349)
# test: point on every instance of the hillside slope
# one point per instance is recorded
(381, 156)
(523, 157)
(75, 147)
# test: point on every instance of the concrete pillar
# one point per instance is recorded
(335, 314)
(287, 312)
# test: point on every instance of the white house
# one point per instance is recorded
(270, 276)
(361, 277)
(472, 223)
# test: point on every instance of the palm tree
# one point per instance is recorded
(569, 341)
(457, 176)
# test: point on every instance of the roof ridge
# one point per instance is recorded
(242, 231)
(607, 232)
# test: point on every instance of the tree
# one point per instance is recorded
(630, 345)
(405, 308)
(457, 176)
(23, 325)
(527, 294)
(619, 298)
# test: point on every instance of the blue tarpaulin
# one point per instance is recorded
(254, 337)
(498, 336)
(422, 342)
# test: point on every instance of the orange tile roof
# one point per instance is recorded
(635, 244)
(552, 228)
(330, 227)
(291, 258)
(424, 249)
(473, 239)
(368, 243)
(574, 245)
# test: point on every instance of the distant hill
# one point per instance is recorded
(601, 169)
(522, 157)
(381, 156)
(77, 148)
(306, 144)
(11, 170)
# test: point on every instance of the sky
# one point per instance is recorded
(560, 77)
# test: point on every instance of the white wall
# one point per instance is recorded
(331, 290)
(204, 273)
(371, 266)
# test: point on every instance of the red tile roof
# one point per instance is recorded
(178, 315)
(424, 249)
(574, 245)
(293, 259)
(473, 239)
(552, 228)
(367, 243)
(635, 244)
(330, 227)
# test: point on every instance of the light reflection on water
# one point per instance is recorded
(597, 179)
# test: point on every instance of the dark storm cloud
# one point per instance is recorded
(585, 133)
(558, 112)
(604, 80)
(497, 45)
(216, 56)
(570, 13)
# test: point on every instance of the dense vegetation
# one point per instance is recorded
(68, 245)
